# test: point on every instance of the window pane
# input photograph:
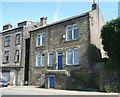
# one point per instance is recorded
(50, 58)
(43, 39)
(69, 35)
(17, 55)
(43, 60)
(38, 40)
(7, 41)
(6, 56)
(76, 56)
(75, 32)
(69, 56)
(38, 60)
(69, 32)
(18, 39)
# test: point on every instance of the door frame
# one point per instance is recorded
(57, 54)
(49, 80)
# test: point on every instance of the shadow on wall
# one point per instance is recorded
(95, 54)
(82, 80)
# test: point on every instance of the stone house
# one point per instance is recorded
(63, 54)
(14, 52)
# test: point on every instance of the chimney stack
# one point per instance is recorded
(7, 26)
(43, 21)
(94, 5)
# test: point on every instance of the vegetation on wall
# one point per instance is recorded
(111, 44)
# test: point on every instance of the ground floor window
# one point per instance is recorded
(72, 56)
(40, 60)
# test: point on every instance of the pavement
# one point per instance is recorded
(33, 90)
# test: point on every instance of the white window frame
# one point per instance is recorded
(17, 55)
(6, 53)
(72, 32)
(67, 33)
(67, 56)
(41, 37)
(16, 41)
(49, 58)
(7, 43)
(40, 65)
(74, 55)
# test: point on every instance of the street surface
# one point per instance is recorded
(32, 90)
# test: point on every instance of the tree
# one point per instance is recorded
(111, 42)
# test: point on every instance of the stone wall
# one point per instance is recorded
(54, 42)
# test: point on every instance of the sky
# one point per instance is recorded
(15, 12)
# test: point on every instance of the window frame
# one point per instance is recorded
(17, 56)
(6, 56)
(41, 64)
(73, 28)
(16, 40)
(7, 41)
(40, 38)
(74, 33)
(67, 33)
(49, 59)
(78, 56)
(67, 56)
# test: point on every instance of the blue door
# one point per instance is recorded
(59, 61)
(52, 81)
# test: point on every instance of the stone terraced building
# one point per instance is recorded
(14, 55)
(63, 54)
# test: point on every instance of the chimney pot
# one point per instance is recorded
(43, 21)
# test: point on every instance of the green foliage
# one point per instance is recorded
(108, 89)
(111, 42)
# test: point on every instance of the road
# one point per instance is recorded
(32, 90)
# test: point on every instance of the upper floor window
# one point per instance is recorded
(17, 39)
(40, 60)
(72, 32)
(72, 56)
(41, 39)
(75, 31)
(7, 41)
(17, 56)
(50, 59)
(69, 32)
(6, 56)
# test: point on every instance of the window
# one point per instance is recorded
(69, 56)
(43, 60)
(38, 39)
(17, 56)
(76, 56)
(72, 56)
(7, 41)
(72, 32)
(40, 60)
(75, 31)
(41, 39)
(69, 33)
(17, 39)
(50, 59)
(6, 56)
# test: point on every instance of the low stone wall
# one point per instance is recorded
(76, 80)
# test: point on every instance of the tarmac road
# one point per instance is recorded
(32, 90)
